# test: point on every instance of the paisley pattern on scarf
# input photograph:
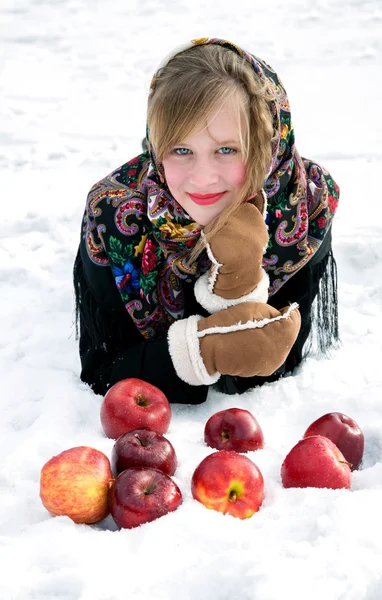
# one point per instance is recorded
(134, 226)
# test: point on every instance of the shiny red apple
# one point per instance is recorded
(343, 432)
(228, 482)
(140, 495)
(233, 429)
(132, 404)
(143, 448)
(315, 462)
(75, 483)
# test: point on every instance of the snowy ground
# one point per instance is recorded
(73, 83)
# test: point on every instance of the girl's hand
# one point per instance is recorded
(236, 253)
(249, 339)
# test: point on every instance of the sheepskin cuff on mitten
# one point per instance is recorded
(183, 343)
(204, 294)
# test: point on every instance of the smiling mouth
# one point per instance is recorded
(206, 199)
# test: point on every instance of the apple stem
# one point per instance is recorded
(233, 496)
(139, 439)
(224, 436)
(141, 401)
(345, 462)
(111, 481)
(149, 489)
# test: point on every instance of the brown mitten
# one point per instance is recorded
(249, 339)
(236, 254)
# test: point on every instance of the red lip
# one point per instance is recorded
(205, 199)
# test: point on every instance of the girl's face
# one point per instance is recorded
(205, 172)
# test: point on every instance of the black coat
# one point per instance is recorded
(111, 347)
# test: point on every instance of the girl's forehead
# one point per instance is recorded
(223, 126)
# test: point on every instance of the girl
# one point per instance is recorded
(200, 258)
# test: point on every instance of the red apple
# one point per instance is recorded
(233, 429)
(229, 483)
(133, 404)
(143, 448)
(75, 483)
(343, 432)
(315, 462)
(140, 495)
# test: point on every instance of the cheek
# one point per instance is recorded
(236, 174)
(173, 174)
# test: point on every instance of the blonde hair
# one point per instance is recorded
(189, 90)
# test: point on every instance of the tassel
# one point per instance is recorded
(90, 317)
(325, 332)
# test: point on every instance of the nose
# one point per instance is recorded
(203, 174)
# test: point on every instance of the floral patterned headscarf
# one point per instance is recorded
(134, 226)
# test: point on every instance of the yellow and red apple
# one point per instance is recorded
(228, 482)
(75, 483)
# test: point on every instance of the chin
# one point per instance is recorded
(204, 220)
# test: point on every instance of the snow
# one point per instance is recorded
(73, 82)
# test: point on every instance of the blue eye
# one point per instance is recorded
(226, 150)
(181, 151)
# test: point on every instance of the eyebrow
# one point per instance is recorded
(220, 143)
(227, 142)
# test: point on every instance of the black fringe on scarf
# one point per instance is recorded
(93, 320)
(324, 331)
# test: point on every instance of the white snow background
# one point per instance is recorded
(74, 77)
